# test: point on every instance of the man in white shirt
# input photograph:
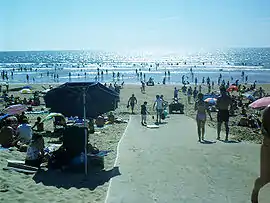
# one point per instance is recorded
(159, 108)
(24, 131)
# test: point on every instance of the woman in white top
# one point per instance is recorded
(24, 131)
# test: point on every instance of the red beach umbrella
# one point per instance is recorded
(232, 88)
(260, 103)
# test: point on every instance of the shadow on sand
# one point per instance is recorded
(208, 142)
(163, 123)
(230, 141)
(78, 180)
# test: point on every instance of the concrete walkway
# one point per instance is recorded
(168, 165)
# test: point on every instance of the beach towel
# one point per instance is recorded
(4, 116)
(20, 170)
(3, 149)
(101, 153)
(152, 126)
(36, 112)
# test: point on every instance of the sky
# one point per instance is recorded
(133, 25)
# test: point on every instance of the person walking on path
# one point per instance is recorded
(189, 94)
(265, 157)
(175, 93)
(158, 105)
(143, 113)
(201, 107)
(131, 102)
(224, 101)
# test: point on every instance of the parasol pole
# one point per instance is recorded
(85, 131)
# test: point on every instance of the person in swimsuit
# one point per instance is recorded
(224, 101)
(131, 102)
(201, 107)
(158, 105)
(265, 157)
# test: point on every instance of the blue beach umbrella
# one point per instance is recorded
(211, 101)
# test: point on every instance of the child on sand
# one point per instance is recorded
(143, 113)
(35, 151)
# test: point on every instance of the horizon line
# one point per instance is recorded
(99, 50)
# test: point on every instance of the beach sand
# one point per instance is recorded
(59, 187)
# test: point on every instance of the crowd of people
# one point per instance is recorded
(17, 132)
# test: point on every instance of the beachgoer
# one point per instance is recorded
(175, 93)
(143, 113)
(35, 151)
(24, 131)
(195, 93)
(189, 94)
(158, 105)
(111, 87)
(265, 157)
(201, 107)
(39, 125)
(164, 102)
(143, 87)
(196, 81)
(22, 117)
(7, 134)
(131, 102)
(224, 101)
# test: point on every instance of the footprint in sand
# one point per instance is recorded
(4, 188)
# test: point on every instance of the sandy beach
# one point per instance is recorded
(58, 187)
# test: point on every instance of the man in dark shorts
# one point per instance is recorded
(265, 157)
(223, 103)
(131, 102)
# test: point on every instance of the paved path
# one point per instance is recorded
(168, 165)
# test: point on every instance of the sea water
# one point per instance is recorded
(64, 66)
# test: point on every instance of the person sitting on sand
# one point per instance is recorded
(131, 102)
(158, 105)
(201, 107)
(223, 103)
(24, 101)
(24, 132)
(7, 134)
(39, 125)
(22, 117)
(264, 159)
(35, 151)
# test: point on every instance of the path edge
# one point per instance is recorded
(116, 158)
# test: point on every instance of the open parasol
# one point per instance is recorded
(15, 109)
(232, 88)
(260, 103)
(51, 116)
(211, 100)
